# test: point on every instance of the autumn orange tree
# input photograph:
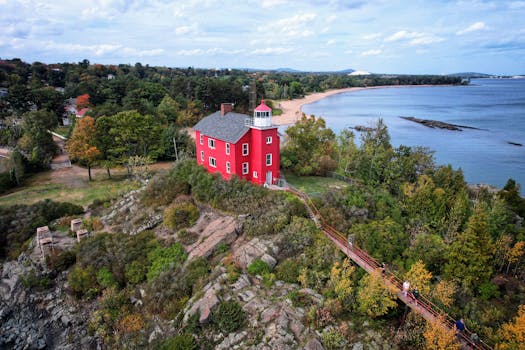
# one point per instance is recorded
(80, 145)
(83, 101)
(512, 334)
(439, 337)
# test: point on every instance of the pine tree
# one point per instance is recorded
(471, 253)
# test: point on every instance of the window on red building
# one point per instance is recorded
(245, 168)
(228, 167)
(269, 159)
(202, 156)
(244, 149)
(211, 143)
(213, 162)
(268, 140)
(227, 148)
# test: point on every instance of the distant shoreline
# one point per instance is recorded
(292, 109)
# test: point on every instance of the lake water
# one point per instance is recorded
(496, 106)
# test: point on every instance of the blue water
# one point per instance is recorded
(497, 106)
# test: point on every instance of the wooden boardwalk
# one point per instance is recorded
(423, 306)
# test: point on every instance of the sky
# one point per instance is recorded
(380, 36)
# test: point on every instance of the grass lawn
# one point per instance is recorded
(314, 185)
(82, 193)
(72, 185)
(62, 130)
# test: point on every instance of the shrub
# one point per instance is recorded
(488, 290)
(161, 258)
(181, 215)
(35, 281)
(82, 282)
(258, 267)
(180, 342)
(228, 317)
(62, 261)
(131, 323)
(288, 271)
(105, 278)
(136, 272)
(333, 340)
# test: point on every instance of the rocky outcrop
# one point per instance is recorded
(211, 230)
(45, 319)
(129, 216)
(246, 252)
(273, 322)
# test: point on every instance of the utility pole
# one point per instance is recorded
(175, 148)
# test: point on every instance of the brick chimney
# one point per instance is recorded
(226, 108)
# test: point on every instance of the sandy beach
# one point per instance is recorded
(292, 108)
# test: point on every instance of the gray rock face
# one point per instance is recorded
(313, 344)
(129, 216)
(38, 319)
(246, 252)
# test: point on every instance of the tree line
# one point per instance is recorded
(420, 219)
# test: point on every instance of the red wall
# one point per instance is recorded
(256, 157)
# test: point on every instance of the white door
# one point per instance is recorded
(269, 178)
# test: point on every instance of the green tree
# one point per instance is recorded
(310, 148)
(37, 143)
(135, 134)
(169, 108)
(470, 255)
(383, 239)
(375, 153)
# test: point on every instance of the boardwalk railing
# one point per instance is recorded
(424, 306)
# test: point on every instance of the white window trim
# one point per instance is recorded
(228, 168)
(202, 156)
(211, 143)
(227, 147)
(269, 140)
(245, 168)
(201, 139)
(271, 159)
(255, 175)
(245, 147)
(214, 161)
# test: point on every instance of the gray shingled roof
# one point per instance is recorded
(229, 127)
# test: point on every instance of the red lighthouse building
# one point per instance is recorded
(236, 144)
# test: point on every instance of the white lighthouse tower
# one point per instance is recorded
(262, 116)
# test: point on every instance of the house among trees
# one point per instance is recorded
(236, 144)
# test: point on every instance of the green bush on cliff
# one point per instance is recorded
(228, 317)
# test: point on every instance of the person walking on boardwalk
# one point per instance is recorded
(460, 325)
(406, 288)
(415, 294)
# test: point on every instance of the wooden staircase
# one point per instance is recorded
(422, 305)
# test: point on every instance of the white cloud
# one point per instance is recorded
(272, 51)
(100, 49)
(372, 36)
(291, 27)
(272, 3)
(403, 34)
(331, 42)
(425, 40)
(183, 30)
(331, 18)
(373, 52)
(473, 28)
